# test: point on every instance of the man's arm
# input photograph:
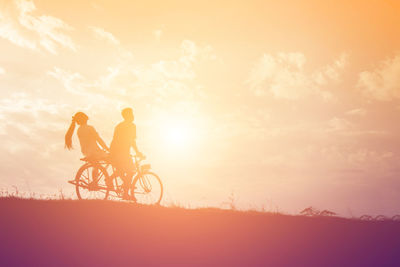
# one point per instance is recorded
(138, 153)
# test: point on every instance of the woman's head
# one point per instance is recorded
(80, 118)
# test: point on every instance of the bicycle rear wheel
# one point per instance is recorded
(90, 182)
(147, 188)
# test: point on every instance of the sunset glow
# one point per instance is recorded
(178, 135)
(282, 104)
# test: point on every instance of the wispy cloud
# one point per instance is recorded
(339, 124)
(171, 80)
(36, 139)
(284, 76)
(383, 82)
(101, 34)
(22, 27)
(9, 31)
(357, 112)
(157, 34)
(72, 81)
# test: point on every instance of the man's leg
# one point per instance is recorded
(95, 177)
(117, 171)
(127, 184)
(125, 187)
(110, 179)
(129, 170)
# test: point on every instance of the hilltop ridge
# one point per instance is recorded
(105, 233)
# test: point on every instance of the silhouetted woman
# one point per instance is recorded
(89, 139)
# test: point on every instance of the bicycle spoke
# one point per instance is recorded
(148, 189)
(91, 182)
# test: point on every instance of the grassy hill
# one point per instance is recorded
(101, 233)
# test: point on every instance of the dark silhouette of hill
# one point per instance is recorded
(101, 233)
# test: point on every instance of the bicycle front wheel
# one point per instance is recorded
(147, 189)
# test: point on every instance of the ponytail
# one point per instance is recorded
(68, 135)
(79, 118)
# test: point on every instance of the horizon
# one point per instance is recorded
(279, 105)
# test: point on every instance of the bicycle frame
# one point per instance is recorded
(100, 173)
(139, 169)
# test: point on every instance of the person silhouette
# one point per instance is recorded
(123, 139)
(92, 146)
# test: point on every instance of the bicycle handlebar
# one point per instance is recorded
(143, 157)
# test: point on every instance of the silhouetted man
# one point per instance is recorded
(124, 138)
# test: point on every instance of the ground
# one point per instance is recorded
(105, 233)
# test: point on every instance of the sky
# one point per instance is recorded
(272, 105)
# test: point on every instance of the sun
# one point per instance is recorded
(178, 135)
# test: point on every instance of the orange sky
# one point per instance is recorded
(285, 105)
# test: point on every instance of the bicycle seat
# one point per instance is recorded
(94, 159)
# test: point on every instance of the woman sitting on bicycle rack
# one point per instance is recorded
(89, 139)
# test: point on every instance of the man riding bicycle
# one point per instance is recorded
(120, 157)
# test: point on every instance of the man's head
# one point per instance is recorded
(127, 114)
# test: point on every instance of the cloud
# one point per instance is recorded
(333, 71)
(339, 124)
(104, 35)
(172, 79)
(21, 27)
(10, 32)
(30, 130)
(74, 82)
(285, 77)
(383, 82)
(157, 34)
(96, 6)
(191, 52)
(365, 157)
(357, 112)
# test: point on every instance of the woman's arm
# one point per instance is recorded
(101, 142)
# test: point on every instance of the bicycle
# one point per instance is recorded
(90, 182)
